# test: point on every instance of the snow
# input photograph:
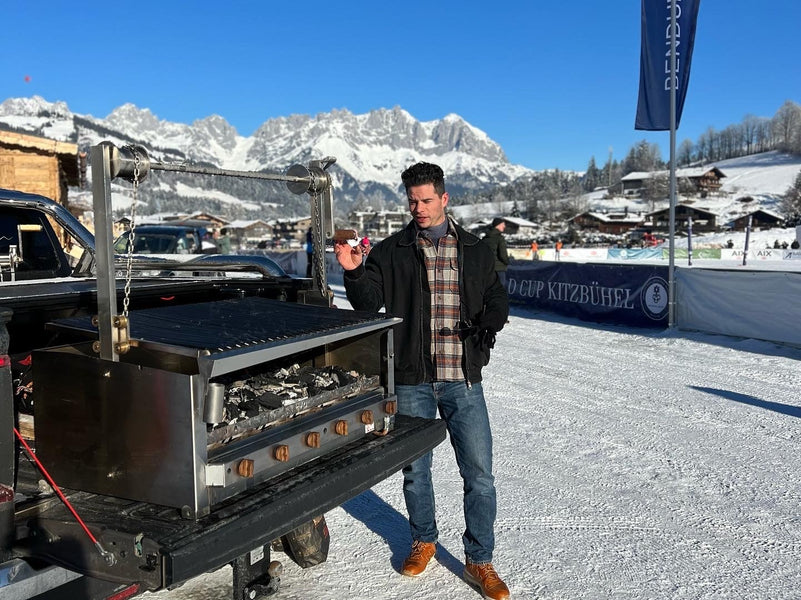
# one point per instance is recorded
(182, 189)
(766, 173)
(629, 464)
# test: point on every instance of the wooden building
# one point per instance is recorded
(760, 219)
(39, 165)
(246, 233)
(703, 179)
(214, 221)
(378, 224)
(290, 232)
(612, 223)
(703, 219)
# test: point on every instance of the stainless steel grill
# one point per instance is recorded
(150, 426)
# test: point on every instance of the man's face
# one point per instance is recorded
(426, 206)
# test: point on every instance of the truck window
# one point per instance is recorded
(36, 245)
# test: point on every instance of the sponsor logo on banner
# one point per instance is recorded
(605, 293)
(791, 255)
(579, 293)
(657, 39)
(654, 298)
(765, 254)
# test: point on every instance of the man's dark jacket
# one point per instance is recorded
(394, 276)
(497, 244)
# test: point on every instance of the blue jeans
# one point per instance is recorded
(465, 414)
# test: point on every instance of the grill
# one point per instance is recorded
(196, 412)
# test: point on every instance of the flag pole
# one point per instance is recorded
(672, 231)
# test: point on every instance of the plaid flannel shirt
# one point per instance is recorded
(442, 268)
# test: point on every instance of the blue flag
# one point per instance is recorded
(653, 105)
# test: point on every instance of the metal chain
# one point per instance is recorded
(318, 272)
(131, 234)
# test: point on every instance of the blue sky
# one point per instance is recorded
(552, 82)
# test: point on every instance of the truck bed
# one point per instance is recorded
(154, 545)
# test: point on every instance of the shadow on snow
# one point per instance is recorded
(382, 519)
(785, 409)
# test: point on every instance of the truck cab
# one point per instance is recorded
(29, 248)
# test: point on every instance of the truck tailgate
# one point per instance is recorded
(155, 546)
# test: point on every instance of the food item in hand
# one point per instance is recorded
(345, 235)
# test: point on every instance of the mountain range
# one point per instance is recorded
(371, 149)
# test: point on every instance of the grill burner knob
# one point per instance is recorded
(313, 439)
(245, 467)
(367, 417)
(341, 428)
(281, 453)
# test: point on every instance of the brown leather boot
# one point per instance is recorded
(486, 580)
(421, 554)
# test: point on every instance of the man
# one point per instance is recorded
(442, 281)
(497, 243)
(309, 252)
(224, 242)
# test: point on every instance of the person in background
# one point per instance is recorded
(535, 250)
(557, 248)
(441, 279)
(224, 242)
(309, 252)
(497, 244)
(208, 243)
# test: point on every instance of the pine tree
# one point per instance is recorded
(791, 203)
(592, 177)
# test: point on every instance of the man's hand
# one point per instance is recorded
(486, 339)
(349, 257)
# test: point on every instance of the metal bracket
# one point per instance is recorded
(132, 163)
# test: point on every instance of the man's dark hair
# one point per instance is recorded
(423, 173)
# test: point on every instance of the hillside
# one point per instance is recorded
(764, 177)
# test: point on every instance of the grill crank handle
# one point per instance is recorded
(107, 556)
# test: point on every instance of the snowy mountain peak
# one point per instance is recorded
(139, 123)
(34, 106)
(372, 149)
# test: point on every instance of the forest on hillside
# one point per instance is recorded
(555, 194)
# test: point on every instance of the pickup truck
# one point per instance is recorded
(162, 239)
(217, 418)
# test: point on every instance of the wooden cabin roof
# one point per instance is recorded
(65, 152)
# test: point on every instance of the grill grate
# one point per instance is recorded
(226, 325)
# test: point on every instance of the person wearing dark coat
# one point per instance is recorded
(497, 243)
(441, 280)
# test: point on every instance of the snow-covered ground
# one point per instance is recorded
(629, 464)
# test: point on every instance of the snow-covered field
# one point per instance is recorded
(630, 464)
